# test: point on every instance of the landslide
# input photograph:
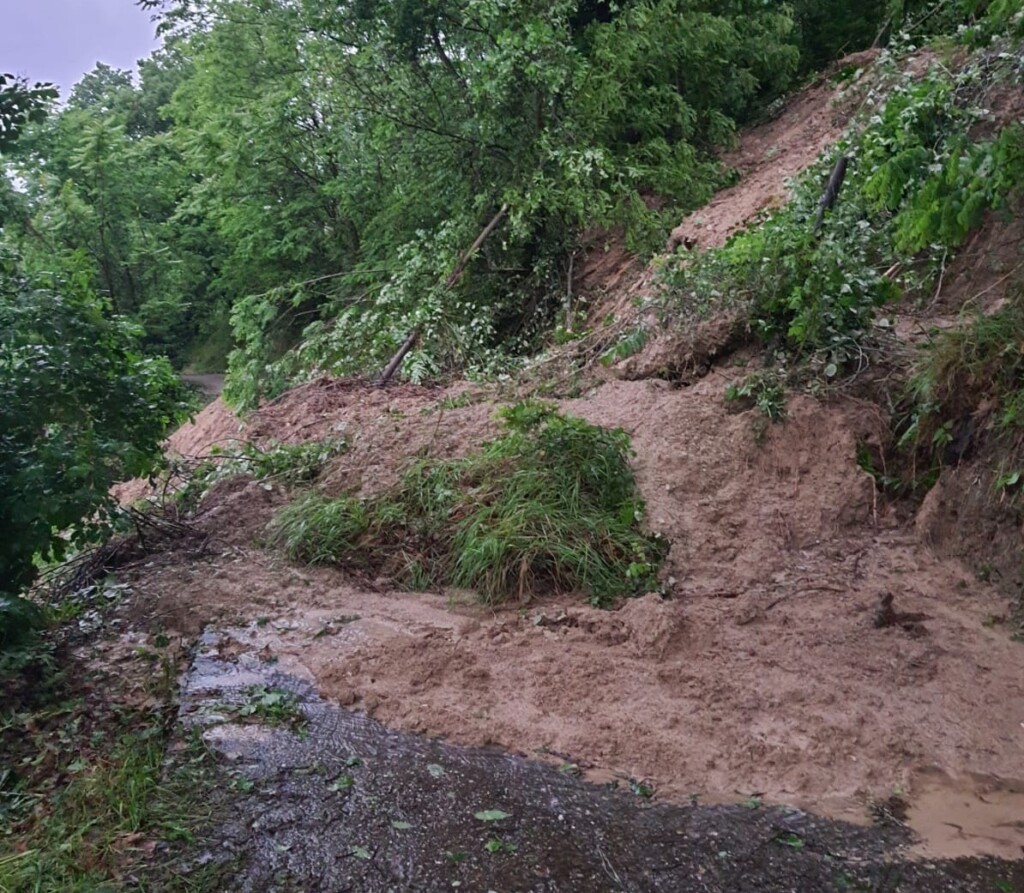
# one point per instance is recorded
(812, 645)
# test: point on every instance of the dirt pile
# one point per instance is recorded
(762, 673)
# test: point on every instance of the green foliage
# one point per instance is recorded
(21, 104)
(272, 706)
(836, 28)
(915, 188)
(975, 177)
(346, 154)
(980, 364)
(287, 464)
(101, 185)
(551, 505)
(765, 389)
(80, 408)
(631, 343)
(19, 620)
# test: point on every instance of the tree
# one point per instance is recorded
(80, 408)
(21, 104)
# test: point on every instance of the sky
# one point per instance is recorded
(61, 40)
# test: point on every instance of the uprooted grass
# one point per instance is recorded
(549, 506)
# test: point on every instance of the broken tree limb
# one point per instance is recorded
(450, 282)
(835, 183)
(460, 267)
(396, 360)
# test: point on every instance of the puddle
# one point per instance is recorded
(967, 816)
(345, 804)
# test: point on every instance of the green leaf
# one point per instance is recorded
(491, 815)
(342, 783)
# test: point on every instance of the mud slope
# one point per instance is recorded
(770, 667)
(763, 672)
(770, 155)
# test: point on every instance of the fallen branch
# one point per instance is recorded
(835, 183)
(453, 278)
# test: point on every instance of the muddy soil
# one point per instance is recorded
(762, 669)
(341, 803)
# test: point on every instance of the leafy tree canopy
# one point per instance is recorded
(80, 408)
(21, 104)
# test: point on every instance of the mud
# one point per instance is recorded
(344, 804)
(762, 669)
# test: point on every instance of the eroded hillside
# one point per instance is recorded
(817, 641)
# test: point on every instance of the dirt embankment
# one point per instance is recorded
(777, 665)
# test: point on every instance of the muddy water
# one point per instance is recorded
(968, 815)
(329, 800)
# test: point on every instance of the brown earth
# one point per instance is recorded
(761, 673)
(769, 156)
(763, 670)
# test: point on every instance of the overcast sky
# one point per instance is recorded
(60, 40)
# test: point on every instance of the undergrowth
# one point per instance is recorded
(89, 795)
(286, 464)
(920, 179)
(550, 505)
(968, 380)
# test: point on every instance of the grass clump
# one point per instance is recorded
(549, 506)
(970, 377)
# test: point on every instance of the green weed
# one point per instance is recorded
(551, 505)
(86, 801)
(273, 707)
(765, 389)
(978, 365)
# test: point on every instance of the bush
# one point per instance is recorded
(551, 505)
(80, 408)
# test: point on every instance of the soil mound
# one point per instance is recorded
(761, 671)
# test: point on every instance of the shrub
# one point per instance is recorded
(80, 408)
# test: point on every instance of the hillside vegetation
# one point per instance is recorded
(291, 189)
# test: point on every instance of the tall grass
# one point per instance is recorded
(549, 506)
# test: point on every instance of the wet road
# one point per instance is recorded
(329, 800)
